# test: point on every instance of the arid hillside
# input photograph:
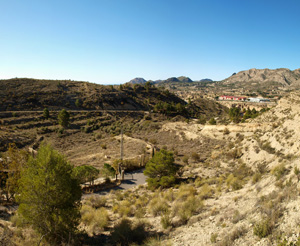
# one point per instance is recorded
(264, 78)
(238, 183)
(33, 94)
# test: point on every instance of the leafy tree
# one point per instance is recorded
(147, 85)
(247, 114)
(13, 161)
(85, 173)
(161, 170)
(63, 118)
(46, 113)
(108, 170)
(50, 196)
(235, 114)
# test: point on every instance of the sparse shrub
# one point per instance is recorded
(125, 209)
(279, 171)
(119, 195)
(297, 173)
(263, 228)
(97, 201)
(169, 195)
(256, 177)
(237, 216)
(87, 129)
(186, 191)
(213, 237)
(100, 218)
(166, 220)
(185, 159)
(153, 141)
(115, 208)
(202, 120)
(156, 242)
(185, 210)
(268, 148)
(195, 156)
(226, 131)
(103, 146)
(140, 212)
(98, 135)
(234, 182)
(60, 131)
(205, 191)
(229, 239)
(158, 206)
(212, 121)
(235, 153)
(94, 219)
(237, 233)
(125, 233)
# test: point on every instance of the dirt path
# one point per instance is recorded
(131, 180)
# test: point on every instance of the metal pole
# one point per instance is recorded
(121, 170)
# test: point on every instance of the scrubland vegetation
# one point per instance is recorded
(210, 181)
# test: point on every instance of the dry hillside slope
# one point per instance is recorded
(275, 78)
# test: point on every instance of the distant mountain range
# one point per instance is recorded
(248, 79)
(181, 79)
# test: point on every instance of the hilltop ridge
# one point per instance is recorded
(280, 77)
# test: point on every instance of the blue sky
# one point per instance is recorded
(113, 41)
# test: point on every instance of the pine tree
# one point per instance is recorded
(49, 196)
(63, 118)
(161, 170)
(46, 113)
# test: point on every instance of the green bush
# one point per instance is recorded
(125, 233)
(212, 121)
(234, 182)
(263, 228)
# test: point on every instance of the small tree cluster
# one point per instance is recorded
(169, 108)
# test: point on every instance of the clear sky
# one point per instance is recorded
(113, 41)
